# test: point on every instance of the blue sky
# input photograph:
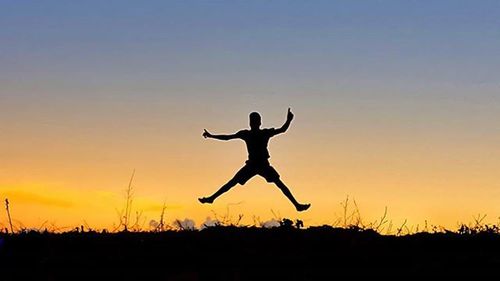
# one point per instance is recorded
(300, 41)
(401, 55)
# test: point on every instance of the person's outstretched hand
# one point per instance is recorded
(290, 115)
(206, 134)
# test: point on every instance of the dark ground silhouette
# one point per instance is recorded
(246, 253)
(256, 140)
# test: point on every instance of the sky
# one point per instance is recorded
(396, 105)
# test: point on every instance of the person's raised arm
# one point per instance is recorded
(206, 134)
(289, 118)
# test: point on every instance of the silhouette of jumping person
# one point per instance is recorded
(256, 140)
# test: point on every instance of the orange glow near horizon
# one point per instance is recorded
(82, 180)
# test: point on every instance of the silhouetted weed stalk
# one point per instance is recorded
(8, 214)
(227, 218)
(161, 224)
(125, 215)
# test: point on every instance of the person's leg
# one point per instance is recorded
(271, 175)
(241, 177)
(231, 183)
(288, 194)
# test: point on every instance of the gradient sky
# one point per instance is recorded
(397, 104)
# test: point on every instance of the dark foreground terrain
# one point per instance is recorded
(230, 253)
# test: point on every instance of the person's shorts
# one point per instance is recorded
(250, 170)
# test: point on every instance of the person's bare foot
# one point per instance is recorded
(206, 200)
(302, 207)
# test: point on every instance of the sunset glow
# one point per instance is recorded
(396, 105)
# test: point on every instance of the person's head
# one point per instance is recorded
(255, 120)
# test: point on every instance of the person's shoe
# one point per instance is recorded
(302, 207)
(206, 200)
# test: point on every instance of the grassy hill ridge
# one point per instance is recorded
(246, 253)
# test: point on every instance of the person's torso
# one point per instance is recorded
(257, 142)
